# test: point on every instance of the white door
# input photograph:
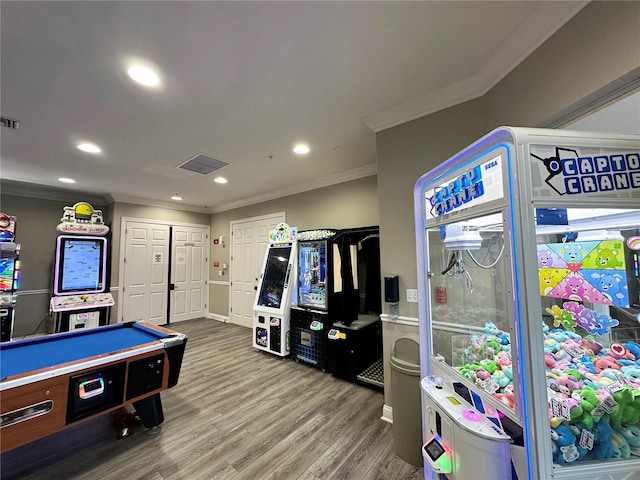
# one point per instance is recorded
(189, 284)
(249, 238)
(146, 271)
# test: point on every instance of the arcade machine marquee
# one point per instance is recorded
(528, 282)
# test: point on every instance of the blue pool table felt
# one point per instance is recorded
(47, 351)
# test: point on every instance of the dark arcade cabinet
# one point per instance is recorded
(314, 306)
(354, 346)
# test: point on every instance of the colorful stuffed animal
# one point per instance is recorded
(634, 348)
(602, 363)
(632, 373)
(588, 401)
(565, 440)
(602, 447)
(631, 434)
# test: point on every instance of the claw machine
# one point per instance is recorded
(272, 305)
(313, 307)
(528, 286)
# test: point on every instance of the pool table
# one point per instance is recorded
(50, 382)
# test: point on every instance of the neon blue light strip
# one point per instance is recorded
(518, 326)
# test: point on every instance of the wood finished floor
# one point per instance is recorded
(236, 414)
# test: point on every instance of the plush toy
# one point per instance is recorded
(504, 359)
(602, 363)
(618, 351)
(632, 373)
(631, 434)
(602, 447)
(500, 378)
(489, 365)
(569, 383)
(491, 331)
(620, 445)
(634, 348)
(565, 440)
(588, 401)
(592, 345)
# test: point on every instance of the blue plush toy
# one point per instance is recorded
(631, 434)
(603, 446)
(634, 348)
(620, 445)
(565, 450)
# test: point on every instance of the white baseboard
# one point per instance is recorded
(387, 413)
(220, 318)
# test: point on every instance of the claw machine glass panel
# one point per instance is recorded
(527, 245)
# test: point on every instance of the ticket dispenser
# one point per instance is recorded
(460, 442)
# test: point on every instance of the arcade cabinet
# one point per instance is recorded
(529, 310)
(81, 298)
(355, 337)
(272, 305)
(312, 310)
(9, 275)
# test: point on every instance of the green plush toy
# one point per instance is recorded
(588, 401)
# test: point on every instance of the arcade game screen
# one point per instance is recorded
(312, 267)
(274, 277)
(80, 265)
(7, 266)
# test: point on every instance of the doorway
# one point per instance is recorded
(163, 271)
(249, 240)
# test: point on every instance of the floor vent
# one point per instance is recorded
(9, 123)
(203, 164)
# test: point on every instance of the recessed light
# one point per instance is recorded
(89, 147)
(176, 197)
(220, 180)
(66, 180)
(301, 149)
(144, 76)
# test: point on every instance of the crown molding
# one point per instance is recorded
(541, 25)
(326, 181)
(147, 202)
(47, 192)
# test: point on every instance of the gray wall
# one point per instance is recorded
(597, 48)
(37, 220)
(345, 205)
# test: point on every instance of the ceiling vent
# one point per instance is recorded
(203, 164)
(9, 123)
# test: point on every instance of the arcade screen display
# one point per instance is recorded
(7, 268)
(80, 265)
(274, 277)
(312, 270)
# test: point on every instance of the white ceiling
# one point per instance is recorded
(241, 82)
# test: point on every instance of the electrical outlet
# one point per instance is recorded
(412, 295)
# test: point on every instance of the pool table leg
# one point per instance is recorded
(150, 411)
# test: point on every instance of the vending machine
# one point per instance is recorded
(9, 275)
(272, 305)
(314, 299)
(81, 297)
(528, 286)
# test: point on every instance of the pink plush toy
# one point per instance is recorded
(602, 363)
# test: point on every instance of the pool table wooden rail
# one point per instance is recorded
(35, 404)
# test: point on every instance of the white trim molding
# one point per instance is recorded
(411, 321)
(219, 318)
(387, 414)
(220, 282)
